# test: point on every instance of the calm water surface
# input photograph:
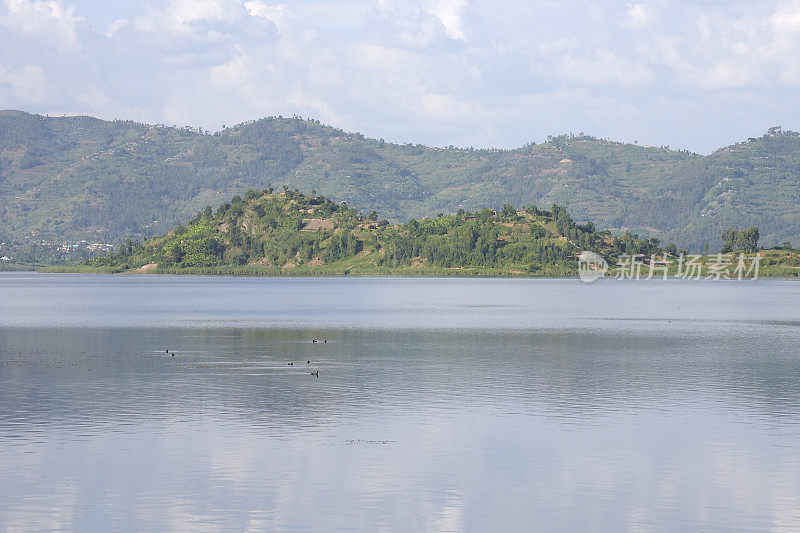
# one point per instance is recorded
(441, 404)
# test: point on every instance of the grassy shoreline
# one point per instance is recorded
(308, 272)
(19, 268)
(766, 272)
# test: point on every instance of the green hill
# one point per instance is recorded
(291, 233)
(73, 178)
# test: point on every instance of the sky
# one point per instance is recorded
(693, 75)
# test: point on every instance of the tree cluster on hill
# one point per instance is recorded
(286, 230)
(746, 240)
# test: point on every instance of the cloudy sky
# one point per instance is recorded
(691, 74)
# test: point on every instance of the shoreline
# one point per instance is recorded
(223, 272)
(234, 272)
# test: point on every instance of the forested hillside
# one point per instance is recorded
(289, 232)
(83, 178)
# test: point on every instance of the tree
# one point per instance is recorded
(729, 240)
(509, 213)
(538, 231)
(176, 254)
(748, 239)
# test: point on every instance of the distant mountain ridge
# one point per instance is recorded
(85, 178)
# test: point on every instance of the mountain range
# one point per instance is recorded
(71, 178)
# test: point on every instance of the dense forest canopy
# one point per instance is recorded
(78, 178)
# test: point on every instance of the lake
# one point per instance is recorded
(440, 404)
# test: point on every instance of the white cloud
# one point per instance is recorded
(278, 15)
(561, 44)
(451, 13)
(604, 67)
(640, 16)
(183, 16)
(116, 25)
(703, 25)
(236, 72)
(752, 50)
(51, 22)
(27, 84)
(445, 105)
(443, 72)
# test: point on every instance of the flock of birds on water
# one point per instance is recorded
(290, 363)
